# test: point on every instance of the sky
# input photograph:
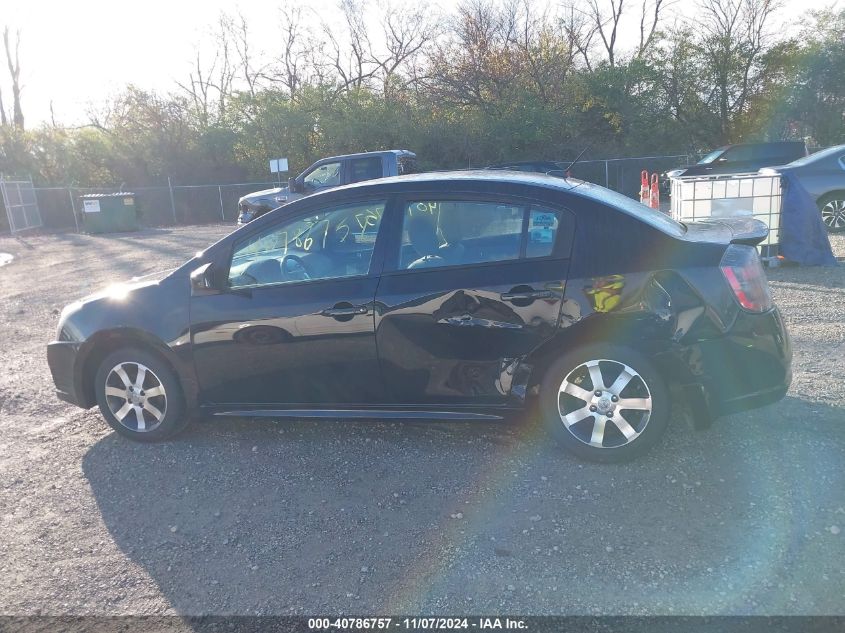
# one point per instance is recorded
(79, 53)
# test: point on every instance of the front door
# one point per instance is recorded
(295, 324)
(476, 286)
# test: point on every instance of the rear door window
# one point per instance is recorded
(365, 169)
(457, 232)
(437, 233)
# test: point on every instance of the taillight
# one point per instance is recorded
(744, 273)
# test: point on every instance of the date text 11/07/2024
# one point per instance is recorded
(416, 624)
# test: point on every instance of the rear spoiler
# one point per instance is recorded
(735, 230)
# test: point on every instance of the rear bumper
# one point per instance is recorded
(62, 358)
(754, 400)
(749, 366)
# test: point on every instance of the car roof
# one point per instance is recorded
(550, 165)
(763, 143)
(480, 176)
(492, 181)
(396, 152)
(487, 177)
(756, 144)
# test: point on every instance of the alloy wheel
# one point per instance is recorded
(136, 397)
(604, 403)
(833, 215)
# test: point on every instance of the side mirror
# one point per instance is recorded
(203, 280)
(295, 186)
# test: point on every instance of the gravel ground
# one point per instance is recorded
(368, 517)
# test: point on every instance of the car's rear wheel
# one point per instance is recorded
(140, 396)
(604, 403)
(832, 207)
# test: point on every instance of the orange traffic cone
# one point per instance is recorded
(655, 193)
(644, 194)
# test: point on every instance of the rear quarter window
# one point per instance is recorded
(626, 205)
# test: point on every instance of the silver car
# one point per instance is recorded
(823, 175)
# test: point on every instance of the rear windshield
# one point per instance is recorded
(653, 217)
(407, 165)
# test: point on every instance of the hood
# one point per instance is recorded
(777, 170)
(121, 289)
(264, 193)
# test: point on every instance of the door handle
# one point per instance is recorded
(345, 311)
(527, 295)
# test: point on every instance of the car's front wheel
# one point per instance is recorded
(140, 396)
(832, 207)
(604, 403)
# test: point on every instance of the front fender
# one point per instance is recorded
(154, 316)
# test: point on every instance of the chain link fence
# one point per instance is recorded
(623, 174)
(61, 207)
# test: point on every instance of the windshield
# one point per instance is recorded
(711, 157)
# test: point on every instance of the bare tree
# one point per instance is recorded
(734, 34)
(3, 120)
(13, 62)
(352, 58)
(594, 22)
(470, 66)
(296, 63)
(209, 86)
(650, 17)
(543, 48)
(407, 32)
(198, 89)
(252, 71)
(579, 31)
(607, 26)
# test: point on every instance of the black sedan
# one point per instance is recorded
(465, 295)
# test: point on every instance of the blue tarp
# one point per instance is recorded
(803, 235)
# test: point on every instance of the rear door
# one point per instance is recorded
(364, 168)
(472, 284)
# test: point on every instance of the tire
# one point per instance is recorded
(162, 414)
(604, 434)
(832, 208)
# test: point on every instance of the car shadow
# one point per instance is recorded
(292, 517)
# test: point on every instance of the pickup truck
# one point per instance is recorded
(743, 158)
(325, 174)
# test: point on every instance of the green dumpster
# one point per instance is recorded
(109, 212)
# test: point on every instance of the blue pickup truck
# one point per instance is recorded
(325, 174)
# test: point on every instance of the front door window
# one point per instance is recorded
(326, 175)
(331, 243)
